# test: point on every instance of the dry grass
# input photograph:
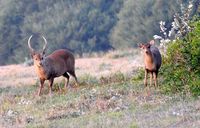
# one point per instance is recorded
(16, 75)
(20, 75)
(110, 96)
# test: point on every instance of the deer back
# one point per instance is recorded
(59, 62)
(156, 56)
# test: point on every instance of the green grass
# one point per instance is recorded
(116, 101)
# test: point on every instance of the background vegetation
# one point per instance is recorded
(181, 69)
(81, 26)
(112, 101)
(117, 98)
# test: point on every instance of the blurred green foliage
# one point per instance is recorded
(81, 26)
(181, 66)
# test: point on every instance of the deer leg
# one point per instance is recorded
(155, 79)
(74, 75)
(66, 80)
(50, 85)
(145, 77)
(60, 90)
(151, 76)
(41, 86)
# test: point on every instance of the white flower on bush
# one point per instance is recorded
(162, 26)
(179, 27)
(156, 37)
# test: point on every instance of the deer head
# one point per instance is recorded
(37, 56)
(146, 47)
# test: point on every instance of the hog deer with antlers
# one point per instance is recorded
(152, 61)
(60, 63)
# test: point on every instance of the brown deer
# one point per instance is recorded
(60, 63)
(152, 61)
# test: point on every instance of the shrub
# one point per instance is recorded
(181, 65)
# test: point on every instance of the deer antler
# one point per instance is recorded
(45, 45)
(29, 45)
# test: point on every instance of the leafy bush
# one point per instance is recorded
(181, 66)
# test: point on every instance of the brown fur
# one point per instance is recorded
(152, 61)
(60, 63)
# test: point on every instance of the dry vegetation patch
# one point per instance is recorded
(128, 61)
(110, 95)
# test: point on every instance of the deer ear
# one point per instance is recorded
(32, 54)
(152, 42)
(140, 45)
(148, 45)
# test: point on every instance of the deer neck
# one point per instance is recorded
(149, 61)
(42, 70)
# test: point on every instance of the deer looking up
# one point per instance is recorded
(152, 61)
(60, 63)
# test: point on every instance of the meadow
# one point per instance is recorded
(111, 94)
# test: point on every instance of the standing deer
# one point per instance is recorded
(59, 63)
(152, 61)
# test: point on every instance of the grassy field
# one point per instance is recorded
(110, 95)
